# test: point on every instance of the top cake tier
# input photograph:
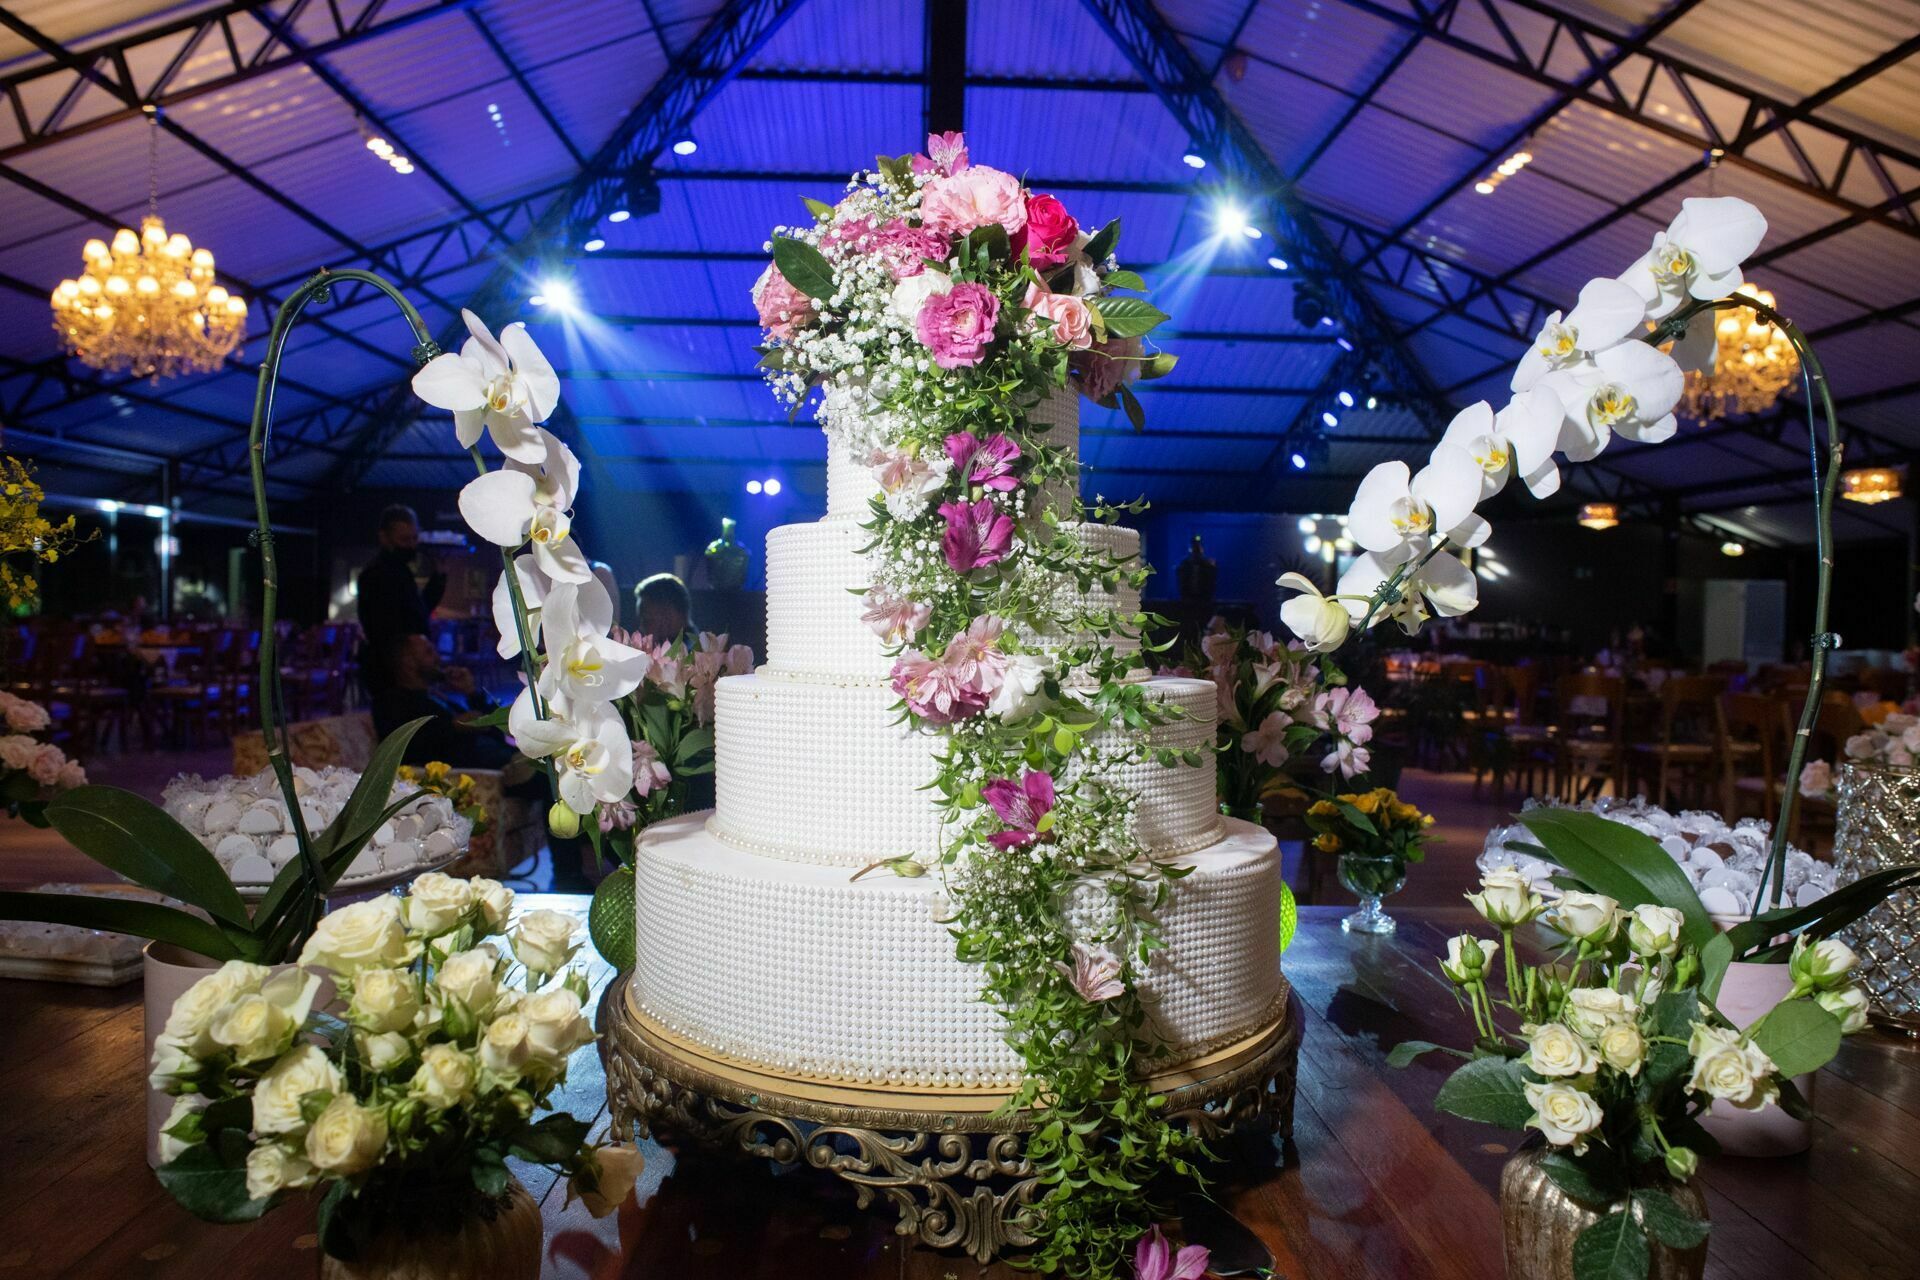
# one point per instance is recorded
(851, 485)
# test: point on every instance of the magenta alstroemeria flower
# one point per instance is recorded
(978, 534)
(1094, 973)
(987, 463)
(933, 691)
(1154, 1259)
(1021, 805)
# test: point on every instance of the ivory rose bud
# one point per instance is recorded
(1848, 1003)
(1654, 930)
(173, 1061)
(276, 1099)
(1821, 966)
(1321, 623)
(1506, 898)
(385, 1051)
(1623, 1048)
(1468, 958)
(446, 1077)
(384, 1000)
(273, 1168)
(469, 977)
(1553, 1050)
(1591, 1010)
(977, 196)
(170, 1147)
(1735, 1073)
(347, 1138)
(1563, 1113)
(194, 1011)
(544, 941)
(362, 935)
(1591, 917)
(496, 902)
(1072, 321)
(616, 1167)
(1682, 1163)
(555, 1025)
(436, 903)
(504, 1049)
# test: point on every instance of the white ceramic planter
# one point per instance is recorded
(1748, 991)
(169, 971)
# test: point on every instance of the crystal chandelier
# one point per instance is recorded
(1753, 364)
(147, 304)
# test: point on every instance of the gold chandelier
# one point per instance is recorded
(1598, 515)
(1754, 363)
(1870, 485)
(147, 303)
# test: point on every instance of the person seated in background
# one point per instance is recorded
(392, 604)
(664, 610)
(419, 686)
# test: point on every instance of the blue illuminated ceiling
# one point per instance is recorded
(528, 121)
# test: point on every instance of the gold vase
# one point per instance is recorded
(501, 1241)
(1540, 1222)
(1877, 825)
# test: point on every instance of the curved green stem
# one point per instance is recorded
(267, 692)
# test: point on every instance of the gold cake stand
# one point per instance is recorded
(949, 1160)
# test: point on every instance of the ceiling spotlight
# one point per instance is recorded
(772, 487)
(753, 486)
(1346, 399)
(685, 146)
(1277, 263)
(1484, 188)
(1309, 306)
(1373, 402)
(1330, 420)
(594, 245)
(1345, 344)
(1192, 158)
(1299, 461)
(619, 215)
(1250, 231)
(556, 295)
(379, 146)
(1308, 524)
(1731, 548)
(1231, 220)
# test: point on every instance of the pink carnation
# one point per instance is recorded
(1072, 321)
(977, 535)
(71, 776)
(1106, 365)
(783, 309)
(957, 325)
(24, 716)
(17, 751)
(906, 249)
(1049, 234)
(932, 690)
(987, 463)
(973, 197)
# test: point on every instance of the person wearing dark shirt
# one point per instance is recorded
(419, 687)
(392, 603)
(663, 611)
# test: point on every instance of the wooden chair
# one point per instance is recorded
(1838, 720)
(1588, 752)
(1751, 733)
(1686, 753)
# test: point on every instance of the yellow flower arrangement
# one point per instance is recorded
(438, 777)
(24, 531)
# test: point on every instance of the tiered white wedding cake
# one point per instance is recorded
(755, 943)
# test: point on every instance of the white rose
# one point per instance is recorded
(1591, 1010)
(1849, 1004)
(1553, 1050)
(276, 1099)
(615, 1167)
(253, 1027)
(446, 1076)
(1019, 692)
(544, 941)
(1706, 1038)
(384, 1051)
(170, 1146)
(468, 976)
(1590, 917)
(362, 935)
(436, 903)
(1506, 897)
(1735, 1073)
(1623, 1048)
(347, 1138)
(555, 1025)
(384, 1000)
(1563, 1113)
(1654, 930)
(1322, 624)
(496, 902)
(913, 291)
(1822, 965)
(504, 1049)
(194, 1011)
(272, 1168)
(173, 1061)
(1468, 958)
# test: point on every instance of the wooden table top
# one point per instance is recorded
(1376, 1183)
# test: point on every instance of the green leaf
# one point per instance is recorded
(211, 1187)
(1130, 317)
(1714, 959)
(1611, 1249)
(1131, 403)
(1798, 1035)
(552, 1141)
(1586, 1180)
(124, 915)
(1674, 1013)
(1103, 242)
(1488, 1090)
(804, 266)
(1158, 365)
(342, 1232)
(134, 837)
(989, 241)
(820, 209)
(1620, 862)
(693, 745)
(1667, 1222)
(1125, 280)
(1834, 912)
(494, 719)
(1403, 1054)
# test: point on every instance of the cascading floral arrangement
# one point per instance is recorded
(31, 769)
(936, 307)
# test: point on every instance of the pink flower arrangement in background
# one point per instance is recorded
(1049, 233)
(975, 196)
(22, 716)
(781, 307)
(957, 325)
(650, 772)
(1022, 805)
(1268, 742)
(1072, 321)
(895, 619)
(1094, 973)
(987, 463)
(977, 534)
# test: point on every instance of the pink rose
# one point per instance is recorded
(1072, 321)
(977, 534)
(45, 766)
(974, 197)
(17, 751)
(24, 716)
(71, 776)
(783, 309)
(932, 691)
(1049, 234)
(1105, 365)
(957, 325)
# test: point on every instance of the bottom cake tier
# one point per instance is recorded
(794, 967)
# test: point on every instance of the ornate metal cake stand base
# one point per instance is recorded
(952, 1166)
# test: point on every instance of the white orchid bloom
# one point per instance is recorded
(1609, 312)
(505, 386)
(1631, 389)
(1442, 586)
(589, 745)
(1699, 255)
(1320, 622)
(583, 665)
(523, 502)
(1397, 514)
(534, 586)
(1519, 440)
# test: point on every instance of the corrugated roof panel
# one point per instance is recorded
(1426, 88)
(1289, 114)
(386, 73)
(1127, 137)
(1020, 38)
(457, 136)
(1868, 359)
(1421, 161)
(825, 127)
(592, 91)
(540, 32)
(1251, 363)
(1897, 416)
(1207, 25)
(848, 35)
(1866, 264)
(632, 287)
(1333, 43)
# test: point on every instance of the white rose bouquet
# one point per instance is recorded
(1613, 1049)
(413, 1087)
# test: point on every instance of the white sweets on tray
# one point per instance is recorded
(1725, 862)
(244, 823)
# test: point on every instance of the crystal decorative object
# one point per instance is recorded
(1753, 364)
(1877, 826)
(1370, 879)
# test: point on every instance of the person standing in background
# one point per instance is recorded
(392, 602)
(663, 610)
(604, 572)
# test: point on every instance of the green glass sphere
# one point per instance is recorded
(610, 919)
(1289, 916)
